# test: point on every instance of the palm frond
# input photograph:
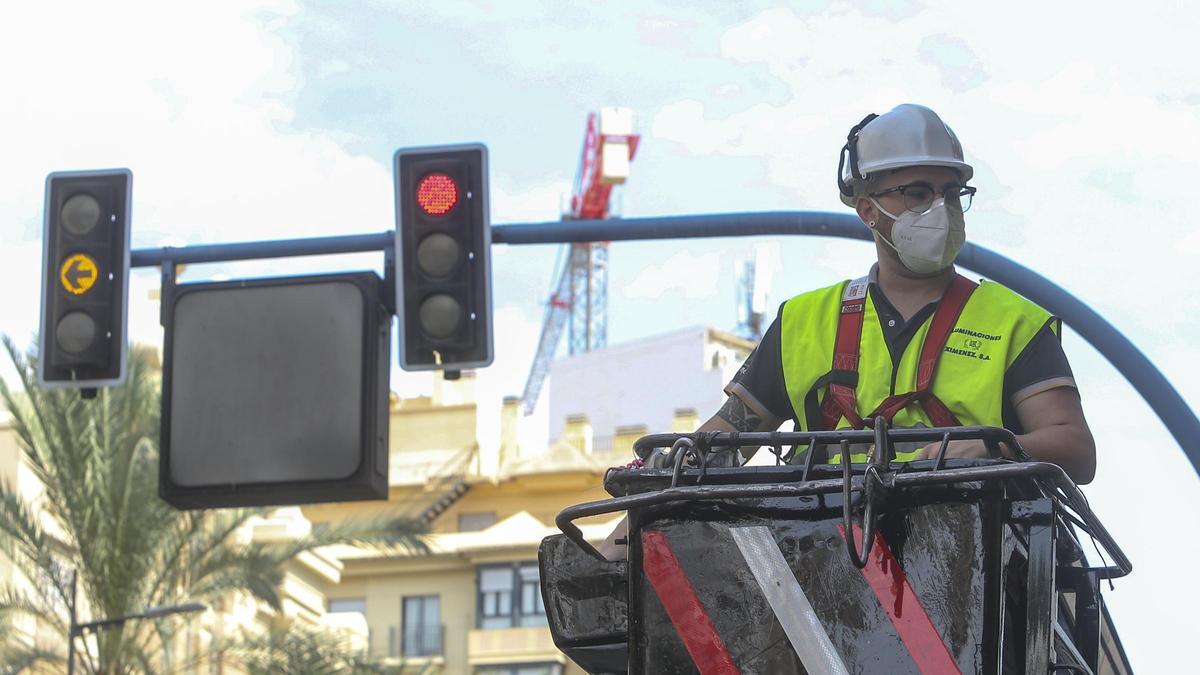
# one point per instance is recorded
(100, 515)
(24, 535)
(15, 602)
(16, 659)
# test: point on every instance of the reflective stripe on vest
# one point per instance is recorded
(993, 329)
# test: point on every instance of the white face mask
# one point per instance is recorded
(928, 242)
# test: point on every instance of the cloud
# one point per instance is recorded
(960, 68)
(199, 131)
(516, 334)
(1061, 146)
(833, 66)
(1190, 244)
(198, 126)
(894, 10)
(695, 277)
(515, 203)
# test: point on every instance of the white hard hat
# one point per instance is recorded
(907, 135)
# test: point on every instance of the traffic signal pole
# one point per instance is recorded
(1149, 382)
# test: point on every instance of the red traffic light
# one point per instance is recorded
(437, 194)
(443, 257)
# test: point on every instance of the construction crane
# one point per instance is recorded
(580, 298)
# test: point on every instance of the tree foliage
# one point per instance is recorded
(100, 516)
(289, 649)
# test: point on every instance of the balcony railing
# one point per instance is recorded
(511, 645)
(423, 640)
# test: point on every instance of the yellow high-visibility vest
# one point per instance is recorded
(993, 330)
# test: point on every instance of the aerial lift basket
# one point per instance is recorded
(933, 566)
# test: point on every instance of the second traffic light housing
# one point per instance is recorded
(443, 257)
(85, 279)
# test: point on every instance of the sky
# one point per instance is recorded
(265, 120)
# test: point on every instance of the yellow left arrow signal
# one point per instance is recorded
(78, 274)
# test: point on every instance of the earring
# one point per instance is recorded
(870, 223)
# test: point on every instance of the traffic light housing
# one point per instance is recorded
(85, 279)
(443, 257)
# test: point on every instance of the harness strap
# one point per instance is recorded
(949, 308)
(840, 398)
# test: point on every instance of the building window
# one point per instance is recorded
(474, 522)
(422, 626)
(348, 605)
(510, 596)
(495, 597)
(531, 612)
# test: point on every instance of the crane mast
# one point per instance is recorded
(579, 300)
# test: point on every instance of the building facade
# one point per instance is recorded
(470, 602)
(644, 384)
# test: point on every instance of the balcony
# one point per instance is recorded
(421, 641)
(511, 645)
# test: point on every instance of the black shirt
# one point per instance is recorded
(760, 385)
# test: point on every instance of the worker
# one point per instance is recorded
(912, 340)
(838, 355)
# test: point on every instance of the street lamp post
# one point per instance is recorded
(79, 629)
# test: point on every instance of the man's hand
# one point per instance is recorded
(965, 449)
(736, 415)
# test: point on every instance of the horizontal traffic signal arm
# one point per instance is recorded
(1145, 377)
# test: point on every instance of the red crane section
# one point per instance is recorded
(593, 185)
(580, 297)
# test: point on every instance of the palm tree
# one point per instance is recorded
(100, 517)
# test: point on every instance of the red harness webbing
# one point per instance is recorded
(840, 397)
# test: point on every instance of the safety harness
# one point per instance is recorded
(840, 398)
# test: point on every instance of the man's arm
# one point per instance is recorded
(1056, 432)
(736, 415)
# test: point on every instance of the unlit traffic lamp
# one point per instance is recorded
(443, 257)
(85, 278)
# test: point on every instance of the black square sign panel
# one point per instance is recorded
(275, 391)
